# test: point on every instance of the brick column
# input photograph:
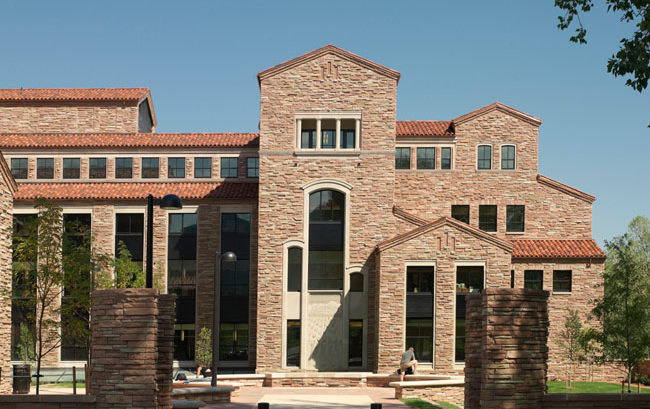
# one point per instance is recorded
(508, 365)
(165, 363)
(123, 366)
(6, 227)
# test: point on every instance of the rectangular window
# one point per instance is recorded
(294, 269)
(512, 278)
(129, 231)
(487, 217)
(445, 158)
(355, 343)
(123, 168)
(202, 167)
(176, 168)
(426, 158)
(515, 218)
(181, 279)
(469, 279)
(253, 167)
(76, 240)
(150, 167)
(45, 168)
(328, 138)
(419, 335)
(534, 279)
(460, 212)
(347, 138)
(233, 341)
(19, 168)
(507, 157)
(419, 280)
(293, 343)
(402, 158)
(71, 168)
(23, 295)
(308, 139)
(228, 167)
(97, 168)
(484, 157)
(562, 281)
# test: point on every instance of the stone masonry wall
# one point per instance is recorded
(282, 174)
(68, 117)
(455, 246)
(6, 226)
(549, 213)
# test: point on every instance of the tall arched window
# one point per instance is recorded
(326, 240)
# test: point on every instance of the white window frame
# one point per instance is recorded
(337, 116)
(423, 263)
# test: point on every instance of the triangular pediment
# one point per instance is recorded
(497, 106)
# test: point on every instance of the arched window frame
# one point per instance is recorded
(478, 148)
(512, 145)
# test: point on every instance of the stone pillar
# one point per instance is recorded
(6, 228)
(507, 367)
(165, 363)
(124, 353)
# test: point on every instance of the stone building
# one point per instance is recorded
(356, 235)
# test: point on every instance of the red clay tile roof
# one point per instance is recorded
(425, 128)
(499, 107)
(134, 190)
(129, 140)
(73, 94)
(557, 249)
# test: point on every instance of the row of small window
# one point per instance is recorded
(534, 280)
(484, 157)
(355, 343)
(124, 168)
(487, 217)
(426, 158)
(308, 131)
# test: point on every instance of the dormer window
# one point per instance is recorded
(328, 131)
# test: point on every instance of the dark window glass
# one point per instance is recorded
(485, 157)
(123, 168)
(507, 157)
(328, 139)
(534, 279)
(515, 218)
(75, 319)
(233, 341)
(460, 212)
(326, 227)
(71, 168)
(562, 281)
(308, 139)
(253, 167)
(235, 237)
(181, 279)
(487, 217)
(347, 138)
(293, 343)
(129, 228)
(19, 168)
(445, 158)
(45, 168)
(402, 158)
(419, 279)
(419, 335)
(176, 167)
(228, 167)
(97, 168)
(294, 269)
(355, 343)
(202, 167)
(426, 158)
(23, 295)
(356, 282)
(469, 279)
(150, 168)
(512, 278)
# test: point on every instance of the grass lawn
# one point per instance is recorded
(421, 404)
(590, 387)
(60, 385)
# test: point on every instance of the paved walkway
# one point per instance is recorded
(303, 398)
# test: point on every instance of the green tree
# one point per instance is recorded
(633, 57)
(571, 341)
(203, 354)
(624, 310)
(128, 273)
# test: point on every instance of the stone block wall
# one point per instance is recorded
(6, 226)
(132, 332)
(508, 370)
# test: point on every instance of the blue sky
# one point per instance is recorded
(200, 60)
